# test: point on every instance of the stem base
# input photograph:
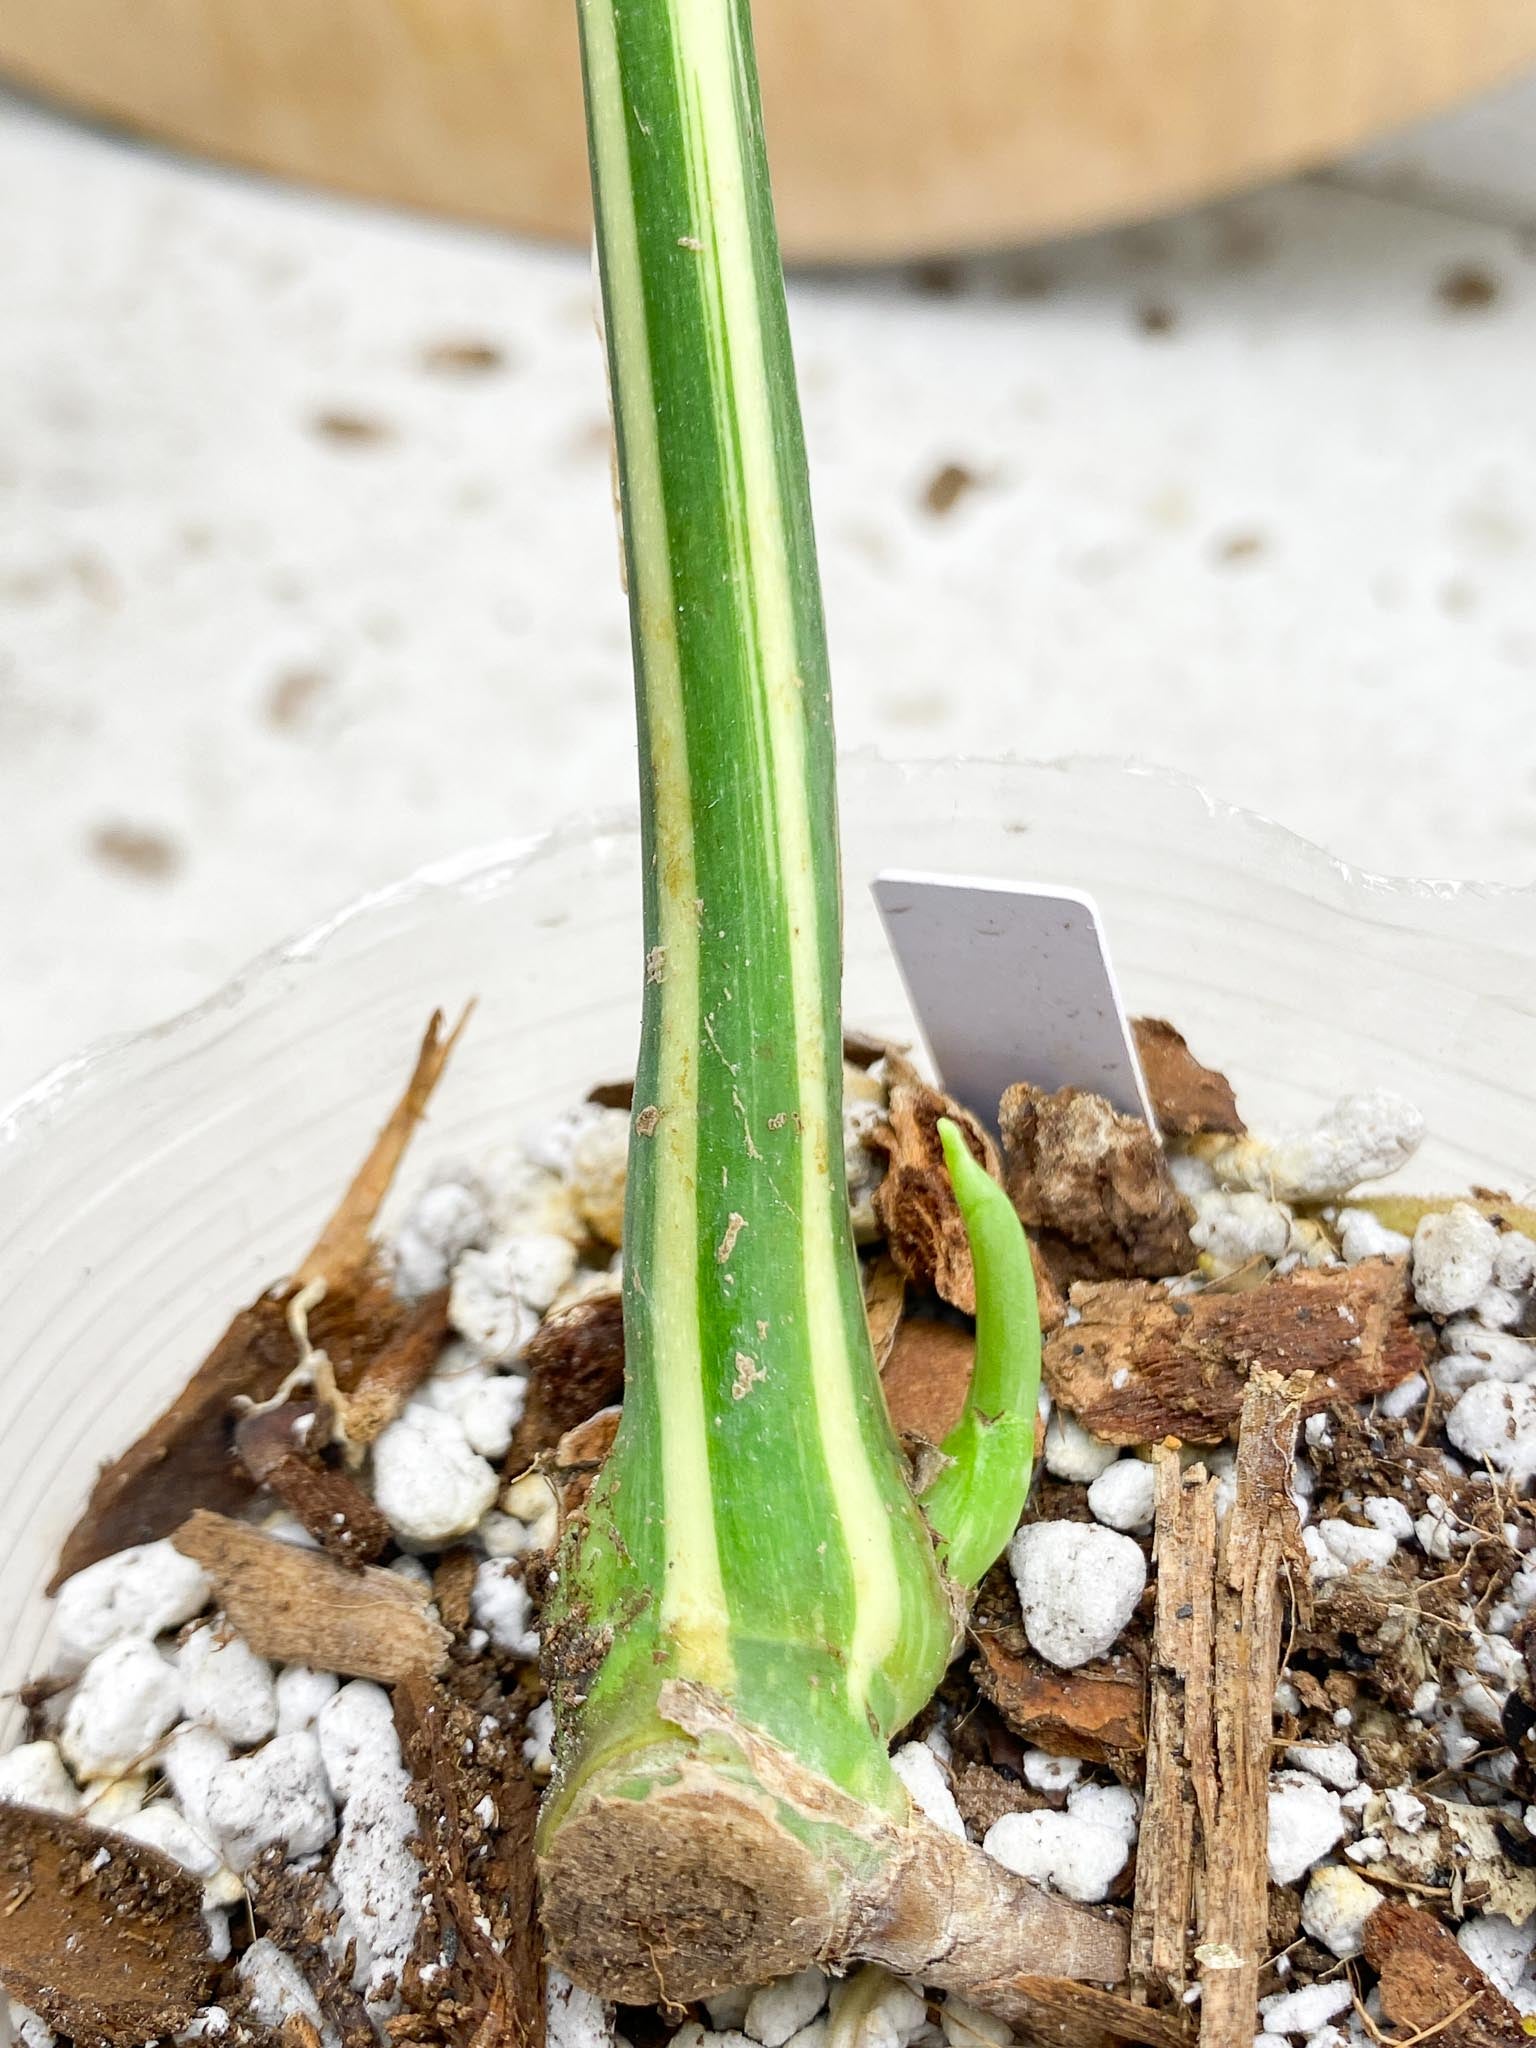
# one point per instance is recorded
(716, 1859)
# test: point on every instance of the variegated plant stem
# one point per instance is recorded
(752, 1604)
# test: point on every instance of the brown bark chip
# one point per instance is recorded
(1428, 1986)
(1058, 2013)
(185, 1459)
(575, 1365)
(1143, 1364)
(1260, 1550)
(100, 1935)
(1097, 1183)
(1188, 1099)
(1097, 1712)
(1181, 1782)
(927, 1376)
(915, 1203)
(300, 1607)
(332, 1507)
(399, 1366)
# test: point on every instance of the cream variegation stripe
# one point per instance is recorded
(694, 1608)
(709, 98)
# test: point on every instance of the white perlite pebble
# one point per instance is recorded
(575, 2018)
(967, 2026)
(1453, 1255)
(1361, 1138)
(486, 1310)
(1267, 2040)
(500, 1605)
(1382, 1512)
(227, 1686)
(1337, 1905)
(1234, 1229)
(1362, 1235)
(1304, 2011)
(873, 2009)
(779, 2010)
(1358, 1549)
(443, 1223)
(1514, 1263)
(1497, 1422)
(923, 1775)
(1106, 1806)
(490, 1414)
(357, 1735)
(539, 1749)
(279, 1795)
(1071, 1453)
(1437, 1531)
(188, 1760)
(599, 1163)
(1305, 1821)
(1068, 1852)
(727, 2009)
(29, 2028)
(1078, 1587)
(278, 1990)
(1050, 1773)
(1501, 1950)
(1402, 1399)
(301, 1693)
(160, 1826)
(1469, 1354)
(137, 1592)
(427, 1482)
(33, 1774)
(1124, 1496)
(1331, 1763)
(378, 1878)
(127, 1698)
(531, 1500)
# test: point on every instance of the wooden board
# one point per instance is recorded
(897, 127)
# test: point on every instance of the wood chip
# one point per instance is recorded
(1142, 1364)
(477, 1808)
(1428, 1986)
(1097, 1712)
(345, 1247)
(299, 1607)
(1188, 1099)
(1059, 2013)
(575, 1366)
(927, 1376)
(185, 1460)
(1260, 1550)
(331, 1506)
(99, 1934)
(399, 1366)
(915, 1203)
(1181, 1765)
(586, 1446)
(1095, 1184)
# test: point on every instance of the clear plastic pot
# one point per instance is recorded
(153, 1186)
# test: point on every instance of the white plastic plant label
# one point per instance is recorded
(1011, 981)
